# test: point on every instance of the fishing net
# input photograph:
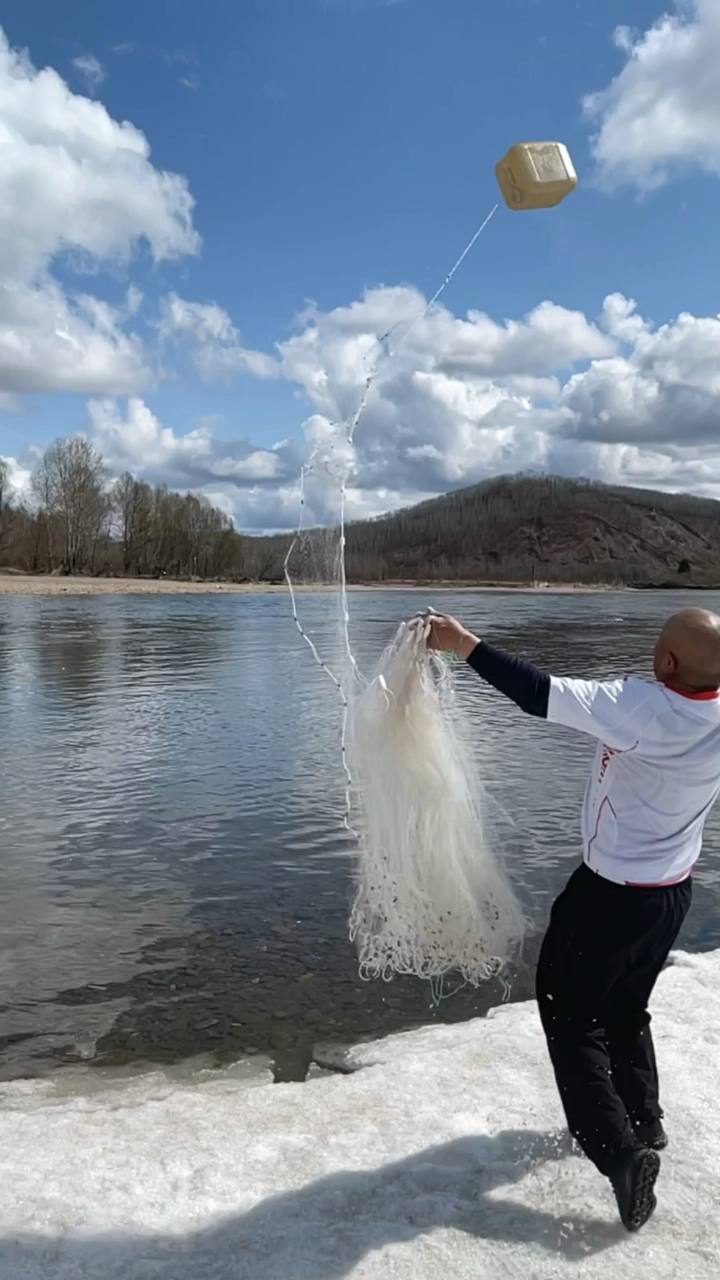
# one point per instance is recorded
(431, 899)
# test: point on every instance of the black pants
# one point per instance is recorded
(599, 962)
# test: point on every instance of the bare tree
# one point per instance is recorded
(41, 485)
(132, 502)
(5, 487)
(5, 501)
(70, 485)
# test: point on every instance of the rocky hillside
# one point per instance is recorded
(520, 529)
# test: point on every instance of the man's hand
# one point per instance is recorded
(450, 636)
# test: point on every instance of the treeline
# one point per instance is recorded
(76, 522)
(513, 529)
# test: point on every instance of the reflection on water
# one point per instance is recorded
(174, 876)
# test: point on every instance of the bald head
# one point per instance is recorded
(687, 654)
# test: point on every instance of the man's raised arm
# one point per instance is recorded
(614, 711)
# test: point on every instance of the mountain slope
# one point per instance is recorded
(544, 529)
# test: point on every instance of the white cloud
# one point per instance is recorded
(461, 398)
(75, 179)
(19, 478)
(661, 113)
(77, 187)
(664, 392)
(212, 340)
(52, 342)
(257, 486)
(91, 70)
(466, 398)
(132, 438)
(267, 510)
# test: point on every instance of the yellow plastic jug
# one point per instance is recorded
(536, 175)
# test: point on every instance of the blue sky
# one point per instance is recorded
(335, 147)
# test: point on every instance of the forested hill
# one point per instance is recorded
(525, 529)
(550, 530)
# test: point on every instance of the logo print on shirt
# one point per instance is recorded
(606, 757)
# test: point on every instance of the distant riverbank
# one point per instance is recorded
(17, 584)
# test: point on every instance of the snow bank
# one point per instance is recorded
(444, 1157)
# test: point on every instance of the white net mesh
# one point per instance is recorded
(431, 898)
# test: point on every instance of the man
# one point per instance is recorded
(655, 778)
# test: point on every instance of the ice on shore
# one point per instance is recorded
(443, 1157)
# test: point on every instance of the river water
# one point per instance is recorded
(174, 875)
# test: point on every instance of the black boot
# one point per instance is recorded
(652, 1135)
(634, 1187)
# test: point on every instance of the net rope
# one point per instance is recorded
(325, 456)
(430, 898)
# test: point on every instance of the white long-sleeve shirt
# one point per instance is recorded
(655, 777)
(656, 773)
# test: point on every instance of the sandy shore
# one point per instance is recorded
(15, 584)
